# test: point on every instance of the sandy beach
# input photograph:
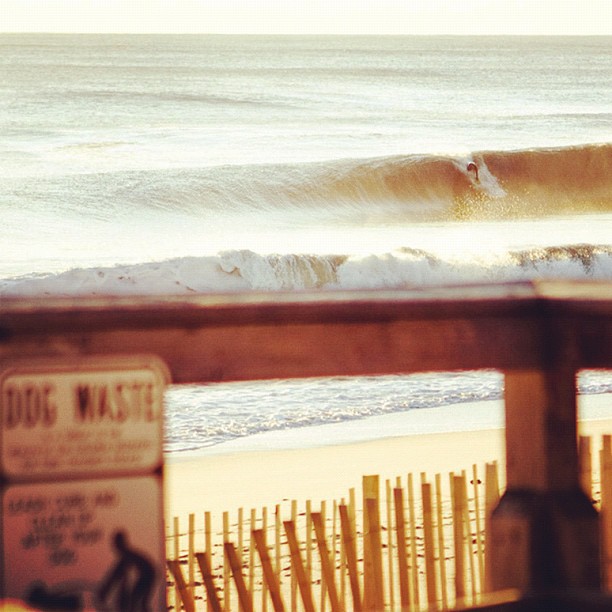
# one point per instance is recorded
(268, 470)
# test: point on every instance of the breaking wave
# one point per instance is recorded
(242, 270)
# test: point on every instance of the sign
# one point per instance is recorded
(85, 545)
(95, 416)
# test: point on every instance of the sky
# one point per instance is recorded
(556, 17)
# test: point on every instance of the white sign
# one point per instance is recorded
(97, 416)
(91, 545)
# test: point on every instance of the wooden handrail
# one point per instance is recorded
(261, 336)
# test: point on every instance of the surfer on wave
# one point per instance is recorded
(472, 170)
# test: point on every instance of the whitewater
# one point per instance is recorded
(147, 165)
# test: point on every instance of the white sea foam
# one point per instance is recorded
(239, 271)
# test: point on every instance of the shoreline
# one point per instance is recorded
(272, 468)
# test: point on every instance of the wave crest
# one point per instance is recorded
(242, 270)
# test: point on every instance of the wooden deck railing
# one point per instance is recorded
(545, 532)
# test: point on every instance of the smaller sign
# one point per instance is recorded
(70, 419)
(91, 545)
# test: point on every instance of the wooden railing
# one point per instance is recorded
(544, 533)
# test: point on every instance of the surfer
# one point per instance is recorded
(472, 169)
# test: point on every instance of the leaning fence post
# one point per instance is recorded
(243, 594)
(298, 566)
(326, 567)
(213, 602)
(346, 527)
(184, 594)
(268, 570)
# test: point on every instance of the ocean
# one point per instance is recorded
(165, 164)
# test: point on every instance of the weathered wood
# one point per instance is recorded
(175, 568)
(244, 598)
(268, 570)
(213, 601)
(402, 557)
(544, 532)
(298, 566)
(348, 540)
(327, 569)
(541, 438)
(235, 337)
(276, 336)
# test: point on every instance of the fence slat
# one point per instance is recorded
(208, 553)
(372, 509)
(326, 566)
(390, 577)
(298, 566)
(190, 555)
(414, 568)
(244, 597)
(176, 542)
(441, 546)
(402, 560)
(458, 539)
(479, 539)
(428, 537)
(268, 570)
(346, 528)
(185, 596)
(203, 560)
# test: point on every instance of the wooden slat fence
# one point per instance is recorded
(412, 544)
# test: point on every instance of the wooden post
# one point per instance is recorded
(414, 567)
(458, 502)
(227, 595)
(253, 525)
(441, 546)
(294, 583)
(605, 485)
(370, 490)
(390, 582)
(479, 536)
(585, 455)
(491, 502)
(468, 535)
(372, 509)
(402, 558)
(208, 554)
(176, 538)
(545, 531)
(264, 531)
(428, 538)
(190, 557)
